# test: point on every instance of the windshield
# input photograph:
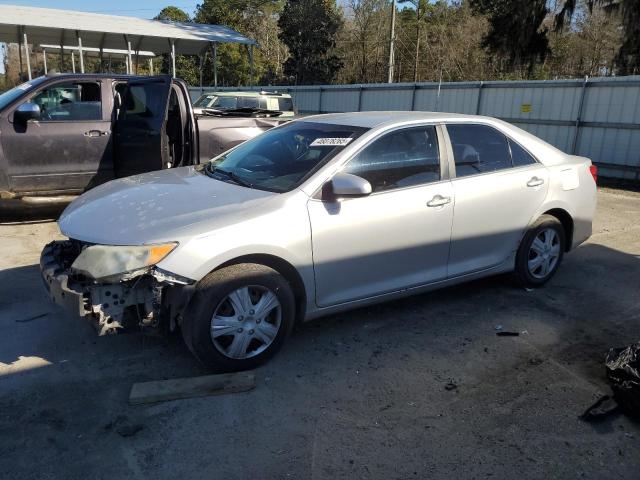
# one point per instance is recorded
(204, 101)
(10, 95)
(229, 102)
(282, 158)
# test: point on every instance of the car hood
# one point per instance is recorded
(158, 206)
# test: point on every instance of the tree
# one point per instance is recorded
(628, 57)
(309, 29)
(186, 66)
(516, 31)
(422, 9)
(256, 19)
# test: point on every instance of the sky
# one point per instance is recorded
(137, 8)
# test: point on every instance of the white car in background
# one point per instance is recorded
(230, 101)
(316, 216)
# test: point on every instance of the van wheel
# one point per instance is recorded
(540, 252)
(239, 317)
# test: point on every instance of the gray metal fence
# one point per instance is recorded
(596, 117)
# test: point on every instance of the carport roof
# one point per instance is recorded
(53, 26)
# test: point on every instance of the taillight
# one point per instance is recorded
(594, 172)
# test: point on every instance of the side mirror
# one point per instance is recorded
(25, 112)
(348, 185)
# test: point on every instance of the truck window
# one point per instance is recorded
(286, 104)
(147, 100)
(72, 101)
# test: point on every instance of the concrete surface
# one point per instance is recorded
(356, 395)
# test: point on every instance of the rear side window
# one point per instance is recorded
(519, 155)
(73, 101)
(252, 102)
(285, 104)
(399, 159)
(478, 149)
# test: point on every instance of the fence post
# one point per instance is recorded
(478, 105)
(413, 97)
(360, 98)
(320, 100)
(576, 135)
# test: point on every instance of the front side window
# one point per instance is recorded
(399, 159)
(478, 149)
(282, 158)
(71, 101)
(146, 100)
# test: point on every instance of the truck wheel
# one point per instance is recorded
(239, 317)
(540, 252)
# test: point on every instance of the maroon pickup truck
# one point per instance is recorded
(63, 134)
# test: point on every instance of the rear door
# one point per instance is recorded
(69, 149)
(498, 187)
(140, 134)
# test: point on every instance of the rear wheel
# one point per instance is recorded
(239, 317)
(540, 252)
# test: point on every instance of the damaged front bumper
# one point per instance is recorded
(149, 299)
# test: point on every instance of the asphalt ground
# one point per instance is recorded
(416, 388)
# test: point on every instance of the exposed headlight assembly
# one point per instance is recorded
(102, 262)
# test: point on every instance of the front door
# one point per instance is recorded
(397, 237)
(141, 141)
(498, 188)
(69, 149)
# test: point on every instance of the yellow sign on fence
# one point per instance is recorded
(525, 108)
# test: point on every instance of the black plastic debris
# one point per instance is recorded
(623, 371)
(507, 334)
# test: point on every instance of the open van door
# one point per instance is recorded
(140, 130)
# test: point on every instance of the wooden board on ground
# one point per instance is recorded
(177, 388)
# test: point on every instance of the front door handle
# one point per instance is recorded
(438, 201)
(535, 182)
(95, 133)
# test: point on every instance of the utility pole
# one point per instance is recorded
(392, 40)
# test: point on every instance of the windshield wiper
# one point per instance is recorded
(231, 176)
(249, 112)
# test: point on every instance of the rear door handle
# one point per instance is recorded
(95, 133)
(438, 201)
(535, 182)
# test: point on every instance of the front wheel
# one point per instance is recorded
(239, 317)
(540, 252)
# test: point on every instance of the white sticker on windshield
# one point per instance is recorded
(330, 142)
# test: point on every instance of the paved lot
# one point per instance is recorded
(356, 395)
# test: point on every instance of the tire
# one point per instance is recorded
(226, 326)
(540, 252)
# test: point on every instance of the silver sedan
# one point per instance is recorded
(320, 215)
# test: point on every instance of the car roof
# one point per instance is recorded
(379, 119)
(246, 94)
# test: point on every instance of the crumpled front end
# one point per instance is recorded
(147, 298)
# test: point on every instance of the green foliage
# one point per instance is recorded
(516, 30)
(309, 28)
(628, 57)
(315, 41)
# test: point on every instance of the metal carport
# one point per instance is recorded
(38, 26)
